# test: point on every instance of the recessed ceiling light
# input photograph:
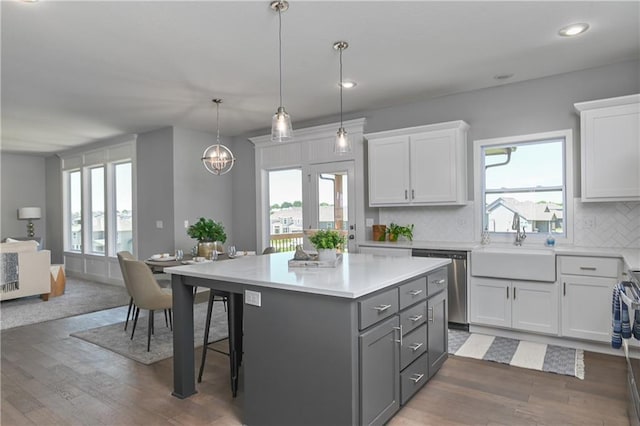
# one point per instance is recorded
(502, 76)
(573, 30)
(348, 84)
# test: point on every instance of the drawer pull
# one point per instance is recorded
(416, 318)
(381, 308)
(431, 318)
(400, 330)
(415, 346)
(588, 268)
(442, 281)
(414, 293)
(416, 377)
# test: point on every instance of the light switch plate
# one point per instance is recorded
(186, 224)
(252, 298)
(159, 224)
(368, 222)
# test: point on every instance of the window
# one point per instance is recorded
(99, 213)
(285, 199)
(525, 176)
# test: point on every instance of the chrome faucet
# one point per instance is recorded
(515, 225)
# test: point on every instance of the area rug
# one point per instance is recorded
(114, 338)
(518, 353)
(80, 297)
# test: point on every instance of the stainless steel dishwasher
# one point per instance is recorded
(457, 291)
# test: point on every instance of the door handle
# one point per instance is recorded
(431, 318)
(406, 194)
(413, 194)
(507, 292)
(400, 330)
(514, 293)
(564, 289)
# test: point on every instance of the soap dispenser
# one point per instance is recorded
(550, 241)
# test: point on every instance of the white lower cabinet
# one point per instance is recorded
(587, 284)
(522, 305)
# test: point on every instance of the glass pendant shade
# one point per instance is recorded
(281, 130)
(218, 159)
(343, 144)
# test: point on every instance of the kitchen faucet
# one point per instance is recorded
(516, 227)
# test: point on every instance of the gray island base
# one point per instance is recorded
(326, 346)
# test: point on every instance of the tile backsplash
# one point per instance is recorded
(446, 223)
(615, 224)
(607, 224)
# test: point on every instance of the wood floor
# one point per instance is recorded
(50, 378)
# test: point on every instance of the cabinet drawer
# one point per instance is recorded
(379, 307)
(591, 266)
(414, 344)
(413, 317)
(412, 292)
(413, 378)
(437, 281)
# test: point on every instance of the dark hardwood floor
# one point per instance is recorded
(50, 378)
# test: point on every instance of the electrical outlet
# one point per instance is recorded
(159, 224)
(252, 298)
(589, 222)
(368, 221)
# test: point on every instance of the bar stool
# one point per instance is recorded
(214, 296)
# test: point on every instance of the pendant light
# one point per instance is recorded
(281, 130)
(343, 144)
(218, 159)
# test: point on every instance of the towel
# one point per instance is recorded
(616, 334)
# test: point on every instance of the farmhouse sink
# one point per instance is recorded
(516, 263)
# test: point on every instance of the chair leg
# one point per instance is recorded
(149, 331)
(207, 325)
(126, 322)
(135, 321)
(170, 320)
(166, 320)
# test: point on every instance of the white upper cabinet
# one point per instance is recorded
(610, 149)
(420, 166)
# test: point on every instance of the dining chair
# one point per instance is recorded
(121, 256)
(146, 293)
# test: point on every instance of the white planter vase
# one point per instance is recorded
(326, 255)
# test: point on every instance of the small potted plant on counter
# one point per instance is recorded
(210, 235)
(327, 241)
(394, 231)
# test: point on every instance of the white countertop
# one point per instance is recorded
(356, 276)
(630, 256)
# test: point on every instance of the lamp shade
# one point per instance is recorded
(29, 213)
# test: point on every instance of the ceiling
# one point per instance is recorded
(77, 72)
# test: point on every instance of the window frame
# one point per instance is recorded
(568, 182)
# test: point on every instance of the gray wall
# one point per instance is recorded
(511, 109)
(22, 185)
(198, 193)
(244, 195)
(155, 193)
(55, 236)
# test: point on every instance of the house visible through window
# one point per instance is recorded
(527, 179)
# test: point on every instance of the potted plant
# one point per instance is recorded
(327, 241)
(396, 231)
(210, 235)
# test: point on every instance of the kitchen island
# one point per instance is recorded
(319, 345)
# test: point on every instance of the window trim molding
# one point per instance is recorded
(568, 179)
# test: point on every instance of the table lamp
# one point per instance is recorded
(29, 213)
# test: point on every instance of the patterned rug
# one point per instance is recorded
(519, 353)
(114, 338)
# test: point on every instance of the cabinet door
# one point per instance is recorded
(389, 171)
(437, 331)
(611, 153)
(535, 306)
(490, 301)
(586, 307)
(434, 168)
(380, 373)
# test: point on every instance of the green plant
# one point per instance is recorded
(327, 239)
(207, 230)
(396, 231)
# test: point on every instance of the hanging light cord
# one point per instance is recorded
(341, 49)
(280, 47)
(218, 122)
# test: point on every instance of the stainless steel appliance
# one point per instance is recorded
(632, 291)
(457, 291)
